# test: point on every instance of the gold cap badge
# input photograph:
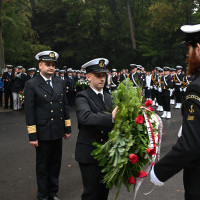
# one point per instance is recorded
(102, 63)
(51, 54)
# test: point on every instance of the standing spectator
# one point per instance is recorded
(6, 78)
(31, 73)
(114, 79)
(70, 87)
(1, 90)
(134, 75)
(17, 84)
(123, 75)
(166, 84)
(178, 81)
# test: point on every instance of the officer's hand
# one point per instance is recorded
(34, 143)
(114, 112)
(67, 136)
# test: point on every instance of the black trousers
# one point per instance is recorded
(48, 163)
(191, 197)
(94, 189)
(158, 98)
(153, 94)
(178, 94)
(165, 98)
(8, 95)
(71, 98)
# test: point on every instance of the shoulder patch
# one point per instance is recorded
(192, 96)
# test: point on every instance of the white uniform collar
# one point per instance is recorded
(97, 92)
(46, 79)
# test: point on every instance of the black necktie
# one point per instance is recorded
(48, 83)
(101, 97)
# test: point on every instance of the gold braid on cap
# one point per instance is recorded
(31, 129)
(67, 123)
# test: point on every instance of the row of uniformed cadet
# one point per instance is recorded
(14, 82)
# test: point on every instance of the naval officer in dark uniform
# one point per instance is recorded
(95, 120)
(186, 153)
(47, 118)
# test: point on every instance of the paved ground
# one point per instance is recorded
(17, 166)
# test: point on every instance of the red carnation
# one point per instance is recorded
(142, 174)
(148, 103)
(150, 108)
(151, 151)
(133, 158)
(139, 119)
(131, 180)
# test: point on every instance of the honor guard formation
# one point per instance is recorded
(165, 86)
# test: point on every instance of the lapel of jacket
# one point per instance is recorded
(95, 98)
(108, 102)
(44, 85)
(56, 88)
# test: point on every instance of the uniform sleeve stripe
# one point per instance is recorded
(67, 123)
(31, 129)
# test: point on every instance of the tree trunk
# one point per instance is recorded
(2, 61)
(131, 25)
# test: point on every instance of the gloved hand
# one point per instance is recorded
(154, 179)
(159, 89)
(181, 89)
(184, 89)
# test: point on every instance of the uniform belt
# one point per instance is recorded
(177, 83)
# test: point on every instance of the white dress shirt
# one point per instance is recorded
(46, 79)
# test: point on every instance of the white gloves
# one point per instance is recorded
(159, 89)
(154, 179)
(171, 92)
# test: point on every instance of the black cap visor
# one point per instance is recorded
(96, 69)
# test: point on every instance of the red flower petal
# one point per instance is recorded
(148, 103)
(139, 119)
(142, 174)
(133, 158)
(151, 151)
(150, 108)
(131, 180)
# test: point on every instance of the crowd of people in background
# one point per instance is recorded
(164, 86)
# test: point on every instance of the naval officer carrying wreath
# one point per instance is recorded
(95, 120)
(48, 121)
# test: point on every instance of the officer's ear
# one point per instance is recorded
(198, 49)
(88, 76)
(40, 64)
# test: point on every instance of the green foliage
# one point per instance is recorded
(20, 40)
(127, 137)
(81, 31)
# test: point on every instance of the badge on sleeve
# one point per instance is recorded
(191, 112)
